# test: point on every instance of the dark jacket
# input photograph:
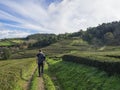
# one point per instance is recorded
(41, 57)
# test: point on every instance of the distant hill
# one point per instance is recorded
(104, 34)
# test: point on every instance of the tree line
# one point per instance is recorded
(104, 34)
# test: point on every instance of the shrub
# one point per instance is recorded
(5, 54)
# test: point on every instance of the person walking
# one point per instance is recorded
(40, 61)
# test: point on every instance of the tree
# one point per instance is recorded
(6, 53)
(96, 42)
(108, 37)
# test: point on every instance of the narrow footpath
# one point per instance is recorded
(40, 84)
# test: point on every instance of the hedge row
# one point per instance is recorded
(115, 56)
(109, 67)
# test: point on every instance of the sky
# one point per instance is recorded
(20, 18)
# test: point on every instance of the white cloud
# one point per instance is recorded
(65, 16)
(12, 33)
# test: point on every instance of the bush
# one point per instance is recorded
(5, 54)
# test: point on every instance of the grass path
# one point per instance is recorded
(47, 81)
(40, 83)
(36, 83)
(28, 83)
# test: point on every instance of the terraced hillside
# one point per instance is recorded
(66, 46)
(56, 49)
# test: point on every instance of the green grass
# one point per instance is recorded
(110, 48)
(9, 42)
(34, 82)
(78, 42)
(15, 73)
(17, 41)
(72, 76)
(49, 85)
(6, 43)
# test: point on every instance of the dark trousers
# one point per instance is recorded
(40, 68)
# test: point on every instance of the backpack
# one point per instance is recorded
(41, 58)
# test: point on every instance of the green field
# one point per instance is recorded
(10, 42)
